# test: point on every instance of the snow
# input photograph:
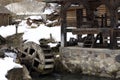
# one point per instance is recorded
(52, 44)
(33, 7)
(35, 17)
(48, 11)
(34, 34)
(26, 7)
(7, 30)
(51, 8)
(7, 64)
(12, 55)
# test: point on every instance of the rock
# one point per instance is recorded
(14, 40)
(15, 74)
(2, 55)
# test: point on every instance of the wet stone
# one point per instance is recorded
(117, 58)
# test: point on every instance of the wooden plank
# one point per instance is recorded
(90, 30)
(117, 31)
(79, 19)
(63, 15)
(85, 31)
(113, 42)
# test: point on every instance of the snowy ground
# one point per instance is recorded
(34, 34)
(7, 64)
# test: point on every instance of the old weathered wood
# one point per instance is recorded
(64, 8)
(79, 20)
(37, 57)
(112, 6)
(79, 13)
(105, 15)
(91, 31)
(112, 38)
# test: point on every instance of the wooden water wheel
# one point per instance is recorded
(38, 57)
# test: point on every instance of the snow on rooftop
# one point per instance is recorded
(48, 11)
(26, 7)
(34, 17)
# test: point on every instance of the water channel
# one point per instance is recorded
(57, 76)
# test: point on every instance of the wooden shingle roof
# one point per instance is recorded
(4, 10)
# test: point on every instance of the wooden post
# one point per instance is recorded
(16, 28)
(113, 25)
(105, 20)
(113, 18)
(90, 16)
(113, 41)
(63, 26)
(102, 23)
(79, 19)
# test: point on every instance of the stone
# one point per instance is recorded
(117, 58)
(100, 62)
(15, 74)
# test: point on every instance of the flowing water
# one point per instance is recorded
(56, 76)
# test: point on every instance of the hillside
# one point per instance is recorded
(6, 2)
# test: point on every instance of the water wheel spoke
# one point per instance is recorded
(37, 59)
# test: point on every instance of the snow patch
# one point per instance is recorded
(7, 64)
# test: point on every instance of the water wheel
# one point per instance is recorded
(39, 57)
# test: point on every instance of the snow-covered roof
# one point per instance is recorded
(52, 1)
(26, 7)
(4, 9)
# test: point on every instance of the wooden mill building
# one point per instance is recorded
(5, 16)
(92, 20)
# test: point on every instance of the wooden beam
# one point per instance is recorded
(113, 41)
(79, 19)
(105, 31)
(63, 15)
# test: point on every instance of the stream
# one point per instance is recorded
(57, 76)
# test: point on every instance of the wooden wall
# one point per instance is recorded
(5, 19)
(71, 14)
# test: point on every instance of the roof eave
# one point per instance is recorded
(52, 1)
